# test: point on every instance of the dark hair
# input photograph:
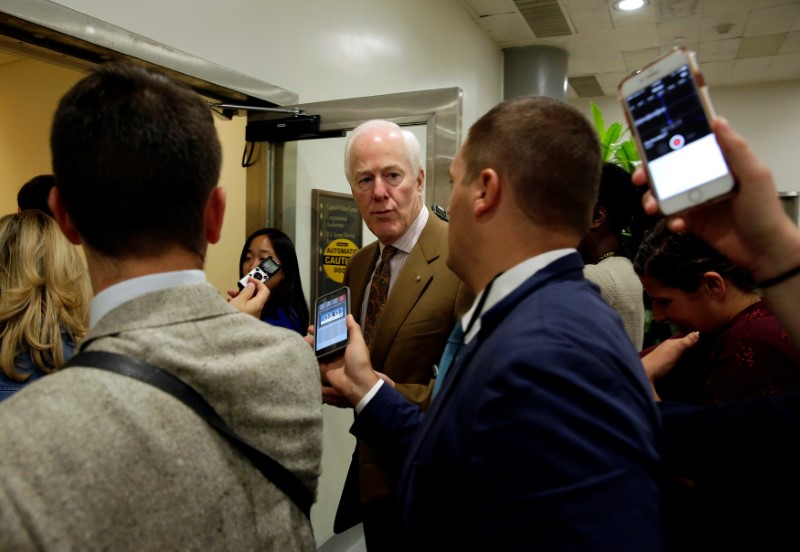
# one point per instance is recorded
(136, 156)
(623, 203)
(679, 260)
(35, 193)
(289, 292)
(549, 153)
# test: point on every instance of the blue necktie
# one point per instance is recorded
(454, 343)
(456, 339)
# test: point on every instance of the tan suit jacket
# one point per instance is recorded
(425, 301)
(93, 460)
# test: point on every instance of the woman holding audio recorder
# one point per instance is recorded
(285, 304)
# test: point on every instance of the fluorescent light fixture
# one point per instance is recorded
(629, 5)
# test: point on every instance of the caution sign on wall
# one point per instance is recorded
(336, 255)
(336, 236)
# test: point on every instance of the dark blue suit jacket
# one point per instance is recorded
(544, 435)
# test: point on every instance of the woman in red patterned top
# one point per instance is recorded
(743, 351)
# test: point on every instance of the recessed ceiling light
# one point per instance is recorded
(629, 5)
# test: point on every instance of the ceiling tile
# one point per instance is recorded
(636, 59)
(610, 81)
(678, 9)
(744, 69)
(636, 38)
(786, 66)
(506, 28)
(710, 28)
(719, 50)
(669, 30)
(588, 16)
(760, 46)
(491, 7)
(772, 20)
(718, 7)
(599, 62)
(792, 44)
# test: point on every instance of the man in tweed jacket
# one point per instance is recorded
(383, 166)
(92, 460)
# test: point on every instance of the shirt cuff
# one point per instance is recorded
(368, 397)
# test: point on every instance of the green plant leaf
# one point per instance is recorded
(599, 124)
(612, 148)
(606, 150)
(613, 133)
(629, 154)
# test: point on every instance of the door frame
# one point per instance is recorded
(51, 32)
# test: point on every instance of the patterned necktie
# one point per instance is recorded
(454, 343)
(378, 290)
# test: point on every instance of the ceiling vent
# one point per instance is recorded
(586, 86)
(544, 17)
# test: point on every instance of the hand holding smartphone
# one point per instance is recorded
(669, 113)
(330, 323)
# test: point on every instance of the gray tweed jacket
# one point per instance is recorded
(91, 460)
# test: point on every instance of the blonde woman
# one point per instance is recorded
(44, 299)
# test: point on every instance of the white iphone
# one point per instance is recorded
(669, 112)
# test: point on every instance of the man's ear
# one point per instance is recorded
(215, 213)
(487, 191)
(63, 219)
(714, 284)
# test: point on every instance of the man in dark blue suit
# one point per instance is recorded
(542, 434)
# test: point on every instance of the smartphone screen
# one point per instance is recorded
(330, 332)
(668, 115)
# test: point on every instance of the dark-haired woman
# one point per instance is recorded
(286, 305)
(743, 350)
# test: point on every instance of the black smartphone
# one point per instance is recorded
(330, 325)
(669, 112)
(263, 271)
(440, 212)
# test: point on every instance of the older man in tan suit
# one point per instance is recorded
(425, 298)
(94, 460)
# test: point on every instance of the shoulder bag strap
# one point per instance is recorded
(285, 480)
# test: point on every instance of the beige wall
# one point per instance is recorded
(29, 93)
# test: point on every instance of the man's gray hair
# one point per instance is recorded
(412, 144)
